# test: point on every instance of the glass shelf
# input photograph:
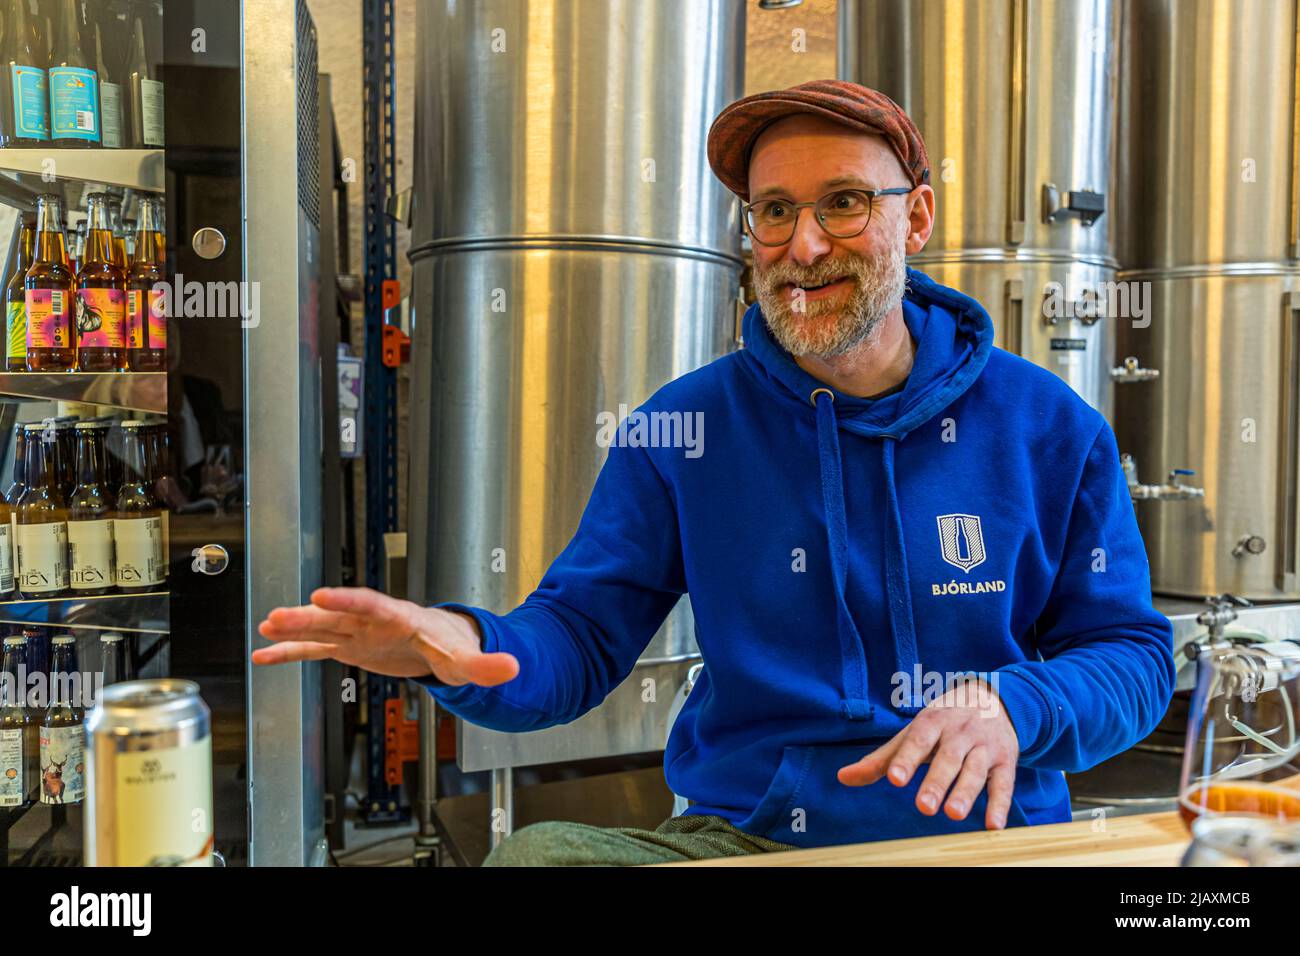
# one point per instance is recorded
(129, 613)
(23, 171)
(138, 391)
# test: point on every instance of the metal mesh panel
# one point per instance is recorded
(308, 118)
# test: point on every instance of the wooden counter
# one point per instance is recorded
(1149, 839)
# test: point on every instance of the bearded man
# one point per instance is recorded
(918, 586)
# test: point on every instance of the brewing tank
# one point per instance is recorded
(1208, 207)
(1016, 103)
(571, 252)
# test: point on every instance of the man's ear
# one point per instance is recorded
(920, 219)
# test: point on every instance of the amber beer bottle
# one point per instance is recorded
(19, 748)
(42, 522)
(146, 322)
(90, 516)
(137, 520)
(49, 292)
(16, 298)
(101, 296)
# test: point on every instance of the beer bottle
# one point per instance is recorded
(42, 521)
(116, 661)
(24, 96)
(101, 296)
(113, 453)
(114, 204)
(129, 229)
(63, 759)
(38, 649)
(146, 306)
(6, 550)
(65, 454)
(145, 112)
(161, 481)
(16, 298)
(90, 517)
(16, 487)
(76, 246)
(137, 520)
(74, 87)
(49, 291)
(110, 96)
(19, 751)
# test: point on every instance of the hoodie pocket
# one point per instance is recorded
(806, 805)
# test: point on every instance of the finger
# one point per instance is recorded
(1002, 782)
(273, 633)
(943, 771)
(916, 749)
(974, 773)
(364, 601)
(488, 670)
(309, 618)
(872, 767)
(293, 651)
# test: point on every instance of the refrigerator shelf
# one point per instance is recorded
(24, 171)
(129, 613)
(137, 391)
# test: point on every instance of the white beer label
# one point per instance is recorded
(110, 100)
(12, 784)
(90, 553)
(151, 108)
(6, 559)
(42, 557)
(63, 764)
(162, 806)
(139, 551)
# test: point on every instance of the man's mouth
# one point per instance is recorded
(817, 289)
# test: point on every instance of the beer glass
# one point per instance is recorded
(1242, 755)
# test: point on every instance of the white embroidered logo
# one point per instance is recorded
(961, 541)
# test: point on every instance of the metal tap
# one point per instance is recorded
(1132, 371)
(1172, 490)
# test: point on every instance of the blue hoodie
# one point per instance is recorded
(845, 558)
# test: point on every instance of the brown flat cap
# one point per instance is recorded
(732, 135)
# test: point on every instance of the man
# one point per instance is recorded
(918, 585)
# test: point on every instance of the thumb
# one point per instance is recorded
(453, 647)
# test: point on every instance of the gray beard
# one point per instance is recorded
(878, 287)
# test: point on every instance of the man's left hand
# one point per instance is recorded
(966, 737)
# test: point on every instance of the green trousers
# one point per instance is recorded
(561, 843)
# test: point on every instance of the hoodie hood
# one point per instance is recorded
(954, 336)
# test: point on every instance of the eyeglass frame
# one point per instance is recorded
(871, 195)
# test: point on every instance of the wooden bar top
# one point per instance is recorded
(1149, 839)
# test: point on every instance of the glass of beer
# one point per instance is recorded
(1242, 755)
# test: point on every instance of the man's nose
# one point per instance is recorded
(809, 242)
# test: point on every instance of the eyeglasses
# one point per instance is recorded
(843, 214)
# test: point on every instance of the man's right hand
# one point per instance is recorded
(378, 633)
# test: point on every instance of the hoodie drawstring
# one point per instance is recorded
(856, 704)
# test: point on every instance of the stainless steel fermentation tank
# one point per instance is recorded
(1016, 102)
(1209, 217)
(571, 252)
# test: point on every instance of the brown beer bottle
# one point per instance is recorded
(137, 520)
(19, 747)
(90, 516)
(16, 298)
(101, 296)
(42, 521)
(49, 290)
(147, 308)
(15, 490)
(65, 454)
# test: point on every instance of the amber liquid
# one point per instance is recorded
(1270, 800)
(15, 293)
(51, 271)
(99, 270)
(150, 257)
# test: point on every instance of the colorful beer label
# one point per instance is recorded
(151, 109)
(110, 101)
(139, 545)
(162, 801)
(16, 323)
(6, 559)
(101, 318)
(137, 321)
(74, 103)
(49, 319)
(63, 764)
(13, 788)
(42, 552)
(31, 102)
(90, 554)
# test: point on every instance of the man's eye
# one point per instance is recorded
(848, 202)
(774, 210)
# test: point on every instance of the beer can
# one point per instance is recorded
(149, 776)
